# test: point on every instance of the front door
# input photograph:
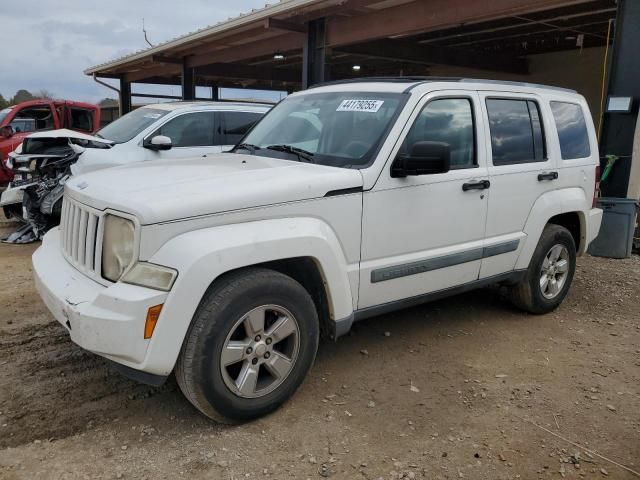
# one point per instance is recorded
(422, 234)
(192, 135)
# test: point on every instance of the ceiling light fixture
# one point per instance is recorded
(278, 56)
(356, 68)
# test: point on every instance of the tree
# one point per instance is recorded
(108, 102)
(3, 103)
(45, 94)
(21, 96)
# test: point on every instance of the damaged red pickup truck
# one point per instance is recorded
(18, 121)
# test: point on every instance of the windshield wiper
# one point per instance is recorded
(302, 154)
(246, 146)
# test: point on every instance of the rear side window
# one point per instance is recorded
(516, 131)
(234, 125)
(81, 119)
(449, 121)
(572, 130)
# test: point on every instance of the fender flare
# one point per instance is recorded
(547, 206)
(201, 256)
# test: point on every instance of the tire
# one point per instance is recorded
(222, 320)
(531, 293)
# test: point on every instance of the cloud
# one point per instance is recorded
(48, 44)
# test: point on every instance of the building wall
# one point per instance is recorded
(580, 70)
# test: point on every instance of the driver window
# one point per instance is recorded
(450, 121)
(33, 118)
(189, 130)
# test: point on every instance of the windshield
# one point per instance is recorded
(129, 125)
(342, 129)
(4, 113)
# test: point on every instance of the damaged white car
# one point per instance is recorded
(45, 160)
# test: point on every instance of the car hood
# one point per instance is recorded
(165, 190)
(66, 133)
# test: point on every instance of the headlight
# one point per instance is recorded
(117, 246)
(151, 276)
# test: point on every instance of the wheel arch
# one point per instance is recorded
(306, 249)
(565, 207)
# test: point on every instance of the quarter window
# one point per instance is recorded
(572, 130)
(516, 131)
(449, 121)
(234, 125)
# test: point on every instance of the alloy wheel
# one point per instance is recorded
(260, 351)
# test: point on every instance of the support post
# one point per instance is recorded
(188, 83)
(215, 92)
(125, 96)
(314, 68)
(618, 129)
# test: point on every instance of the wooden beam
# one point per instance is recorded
(236, 38)
(165, 59)
(420, 16)
(275, 24)
(153, 95)
(163, 70)
(410, 52)
(188, 83)
(235, 70)
(125, 96)
(283, 43)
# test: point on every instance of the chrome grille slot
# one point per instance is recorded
(80, 231)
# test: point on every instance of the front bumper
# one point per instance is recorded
(106, 320)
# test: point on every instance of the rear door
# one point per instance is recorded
(521, 169)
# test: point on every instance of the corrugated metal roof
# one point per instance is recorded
(255, 15)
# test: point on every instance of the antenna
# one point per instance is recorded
(145, 34)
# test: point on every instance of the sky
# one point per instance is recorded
(48, 43)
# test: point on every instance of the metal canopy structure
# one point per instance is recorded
(297, 43)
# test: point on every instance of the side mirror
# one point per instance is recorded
(159, 142)
(6, 131)
(425, 158)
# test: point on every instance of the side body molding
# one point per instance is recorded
(203, 255)
(547, 206)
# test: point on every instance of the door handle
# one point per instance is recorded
(547, 176)
(481, 185)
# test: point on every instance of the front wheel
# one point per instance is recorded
(250, 345)
(550, 272)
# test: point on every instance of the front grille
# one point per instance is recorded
(81, 236)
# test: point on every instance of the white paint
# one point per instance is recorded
(206, 216)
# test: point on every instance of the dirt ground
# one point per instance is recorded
(463, 388)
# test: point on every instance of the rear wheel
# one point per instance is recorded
(550, 272)
(250, 345)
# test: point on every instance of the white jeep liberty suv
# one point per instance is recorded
(345, 201)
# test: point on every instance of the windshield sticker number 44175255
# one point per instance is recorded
(359, 105)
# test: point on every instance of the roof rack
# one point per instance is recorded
(414, 79)
(418, 80)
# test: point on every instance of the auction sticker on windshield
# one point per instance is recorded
(358, 105)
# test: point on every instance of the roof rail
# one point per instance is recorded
(418, 80)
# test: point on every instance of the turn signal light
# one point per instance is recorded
(152, 318)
